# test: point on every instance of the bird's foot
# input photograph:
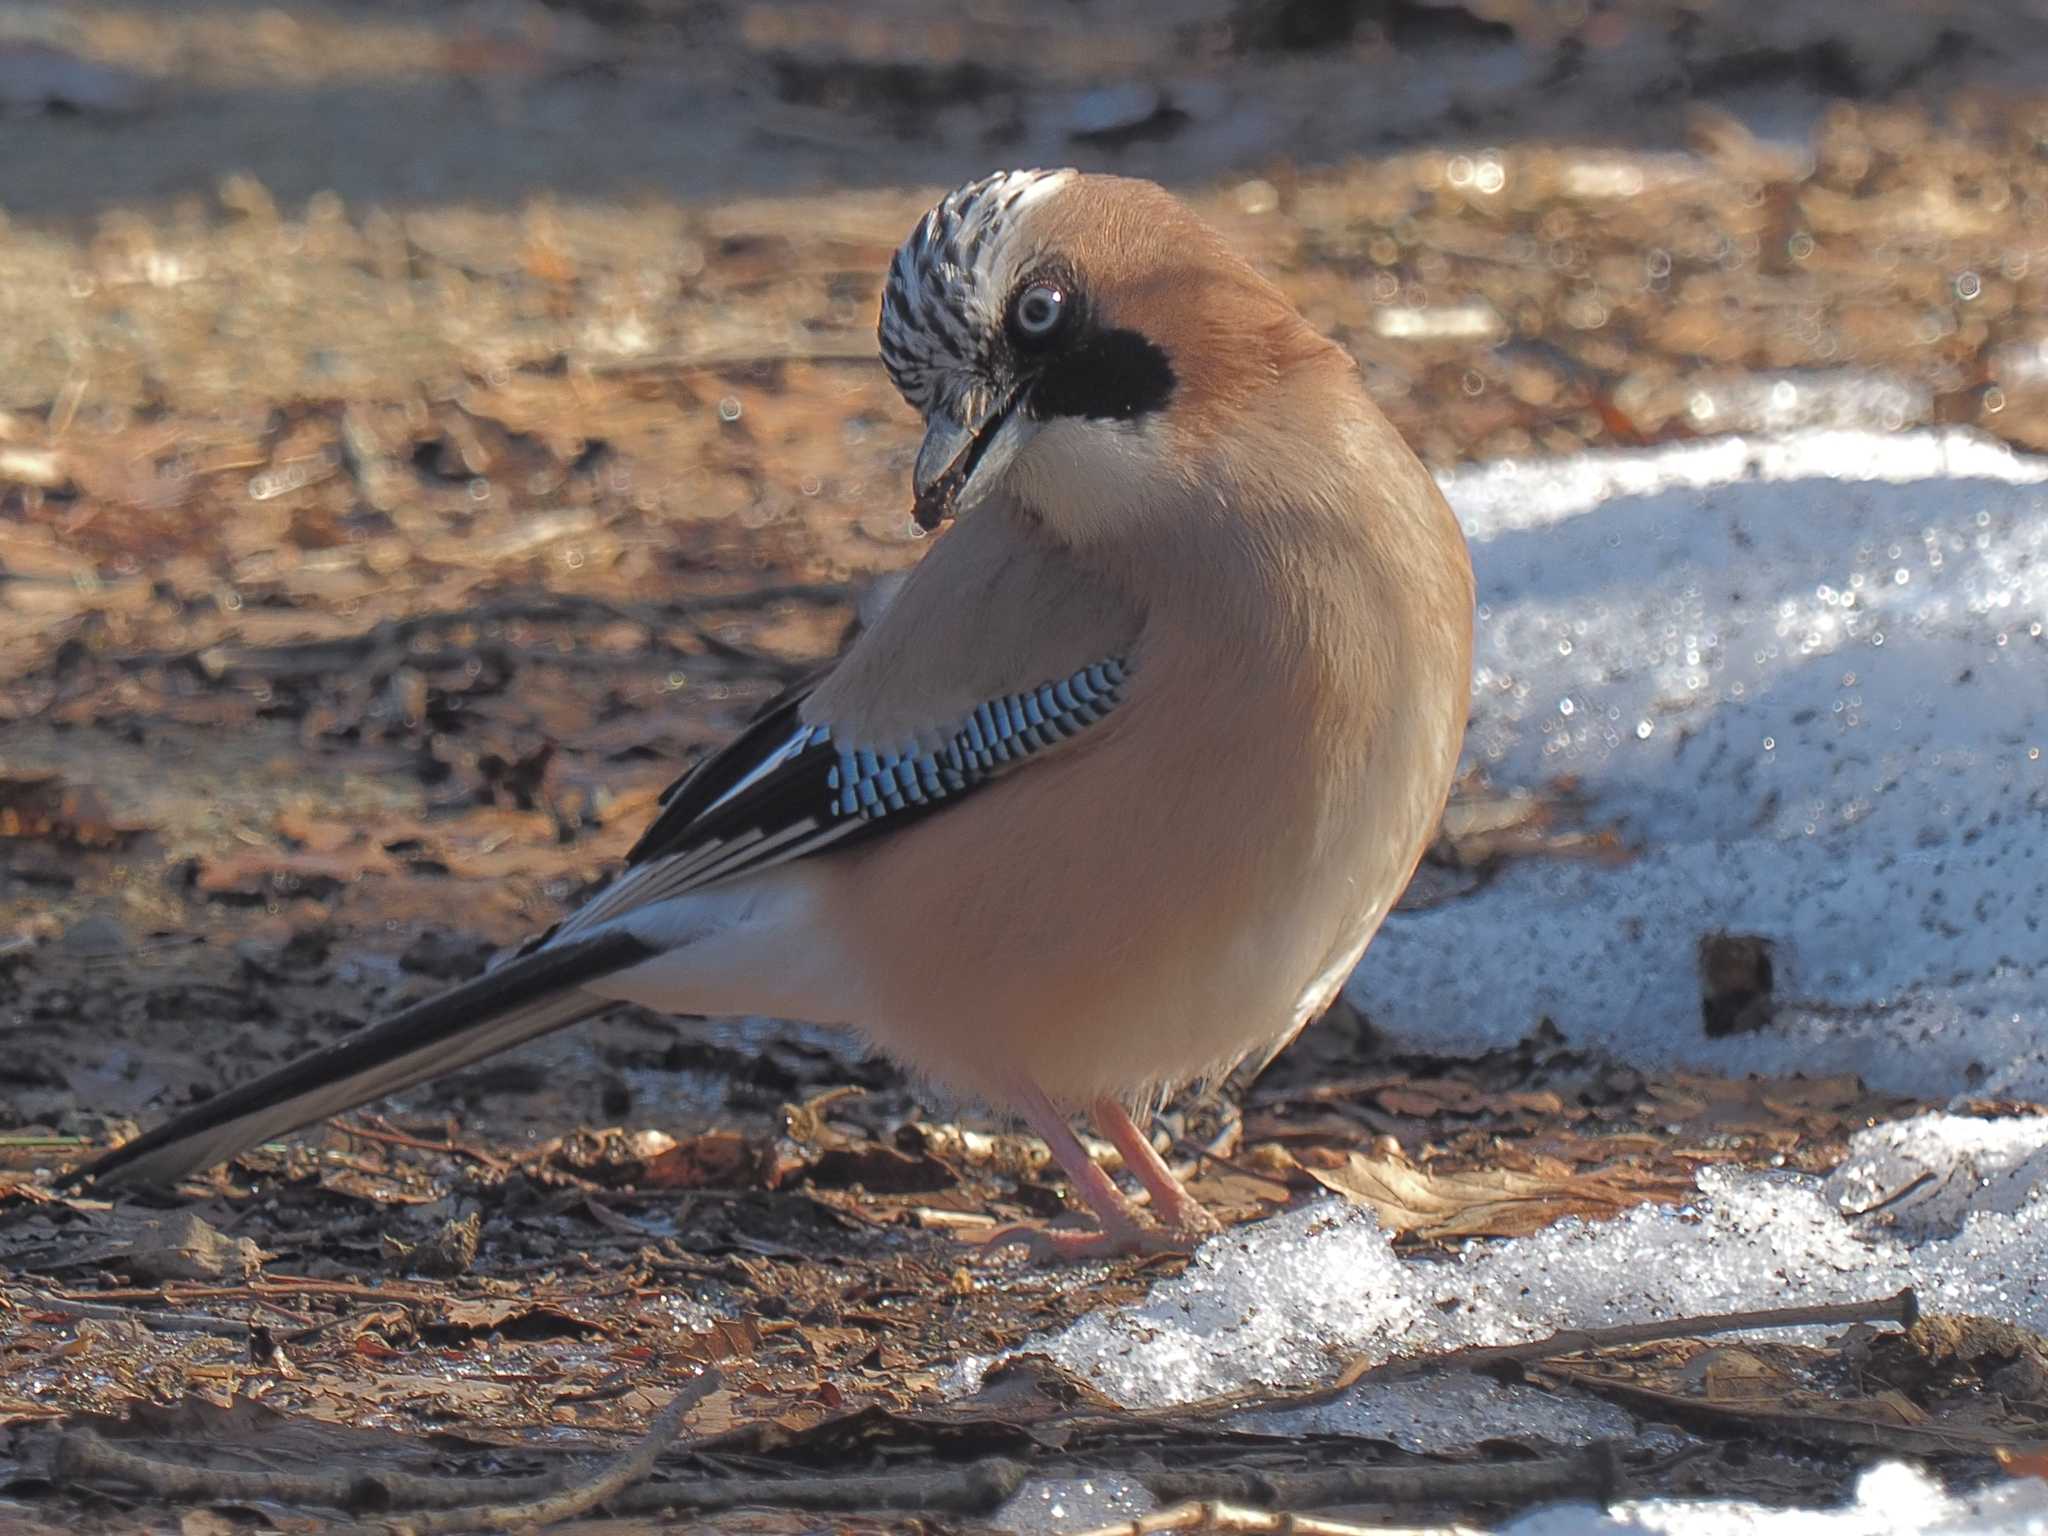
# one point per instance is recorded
(1186, 1219)
(1172, 1205)
(1176, 1224)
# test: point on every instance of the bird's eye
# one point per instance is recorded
(1038, 312)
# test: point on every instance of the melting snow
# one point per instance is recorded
(1286, 1302)
(1891, 1500)
(1808, 681)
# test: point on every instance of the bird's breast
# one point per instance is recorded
(1152, 902)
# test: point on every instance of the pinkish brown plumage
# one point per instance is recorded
(1116, 792)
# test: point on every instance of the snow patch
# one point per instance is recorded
(1455, 1413)
(1807, 681)
(1891, 1500)
(1289, 1301)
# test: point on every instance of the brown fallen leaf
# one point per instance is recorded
(1484, 1202)
(2024, 1460)
(507, 1315)
(42, 807)
(1818, 1106)
(1237, 1192)
(880, 1170)
(183, 1247)
(376, 1188)
(712, 1160)
(725, 1338)
(371, 1334)
(1731, 1375)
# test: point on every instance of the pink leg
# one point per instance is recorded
(1171, 1201)
(1125, 1229)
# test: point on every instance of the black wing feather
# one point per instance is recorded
(781, 790)
(784, 789)
(715, 774)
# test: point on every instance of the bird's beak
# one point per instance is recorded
(959, 462)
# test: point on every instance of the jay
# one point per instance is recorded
(1114, 794)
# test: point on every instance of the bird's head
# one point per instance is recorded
(1064, 333)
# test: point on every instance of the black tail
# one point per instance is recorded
(525, 997)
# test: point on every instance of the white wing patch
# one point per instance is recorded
(807, 793)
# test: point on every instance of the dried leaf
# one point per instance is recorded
(880, 1170)
(1730, 1375)
(42, 807)
(448, 1253)
(183, 1247)
(361, 1184)
(713, 1160)
(2024, 1460)
(507, 1315)
(726, 1338)
(1483, 1202)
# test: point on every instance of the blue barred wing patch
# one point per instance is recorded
(784, 789)
(1003, 731)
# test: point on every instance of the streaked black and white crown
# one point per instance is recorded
(942, 304)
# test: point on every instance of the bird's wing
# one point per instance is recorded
(786, 788)
(781, 790)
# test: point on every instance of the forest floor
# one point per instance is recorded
(369, 563)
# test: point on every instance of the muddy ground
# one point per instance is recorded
(423, 430)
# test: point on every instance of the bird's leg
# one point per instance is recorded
(1125, 1228)
(1171, 1202)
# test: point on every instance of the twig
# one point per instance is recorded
(1813, 1428)
(83, 1456)
(1919, 1181)
(1231, 1520)
(307, 1331)
(570, 1502)
(381, 1130)
(973, 1489)
(160, 1322)
(296, 657)
(270, 1288)
(1902, 1308)
(1591, 1474)
(970, 1490)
